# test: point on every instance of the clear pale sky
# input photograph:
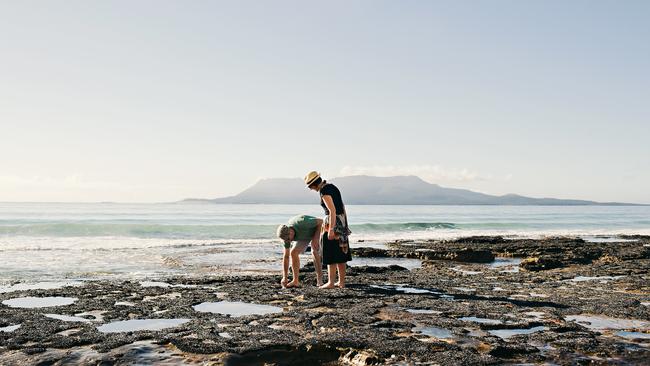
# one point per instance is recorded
(162, 100)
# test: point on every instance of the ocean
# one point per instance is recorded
(57, 241)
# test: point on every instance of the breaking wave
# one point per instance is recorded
(189, 231)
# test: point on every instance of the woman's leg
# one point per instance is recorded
(317, 254)
(331, 276)
(341, 270)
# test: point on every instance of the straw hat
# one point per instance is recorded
(311, 177)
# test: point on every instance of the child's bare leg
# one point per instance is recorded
(331, 276)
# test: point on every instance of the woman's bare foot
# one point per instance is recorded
(293, 284)
(338, 284)
(328, 285)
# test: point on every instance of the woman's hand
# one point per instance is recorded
(330, 234)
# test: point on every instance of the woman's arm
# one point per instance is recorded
(329, 203)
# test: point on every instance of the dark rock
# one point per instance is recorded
(312, 354)
(360, 358)
(370, 252)
(540, 263)
(512, 351)
(480, 240)
(467, 255)
(373, 269)
(34, 350)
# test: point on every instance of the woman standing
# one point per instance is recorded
(335, 231)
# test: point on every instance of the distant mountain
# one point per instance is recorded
(366, 190)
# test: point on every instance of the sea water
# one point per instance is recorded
(56, 241)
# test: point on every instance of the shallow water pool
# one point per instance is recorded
(39, 302)
(10, 328)
(67, 318)
(434, 332)
(140, 324)
(481, 320)
(423, 311)
(49, 285)
(236, 308)
(507, 333)
(599, 322)
(407, 263)
(633, 335)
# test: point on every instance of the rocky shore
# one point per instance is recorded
(478, 300)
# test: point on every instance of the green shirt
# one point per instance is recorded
(304, 226)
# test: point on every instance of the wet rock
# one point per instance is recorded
(467, 255)
(312, 354)
(481, 240)
(512, 351)
(372, 269)
(539, 263)
(360, 358)
(631, 253)
(371, 252)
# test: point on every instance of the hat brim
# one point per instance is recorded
(312, 181)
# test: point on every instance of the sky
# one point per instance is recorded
(150, 101)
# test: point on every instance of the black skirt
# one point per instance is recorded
(332, 252)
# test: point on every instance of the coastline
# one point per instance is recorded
(557, 300)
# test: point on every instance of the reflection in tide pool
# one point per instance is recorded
(506, 264)
(67, 318)
(423, 311)
(598, 322)
(39, 286)
(154, 284)
(465, 271)
(140, 324)
(434, 332)
(480, 320)
(407, 263)
(602, 279)
(605, 239)
(39, 302)
(404, 289)
(236, 308)
(124, 303)
(507, 333)
(633, 335)
(10, 328)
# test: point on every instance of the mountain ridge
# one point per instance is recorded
(396, 190)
